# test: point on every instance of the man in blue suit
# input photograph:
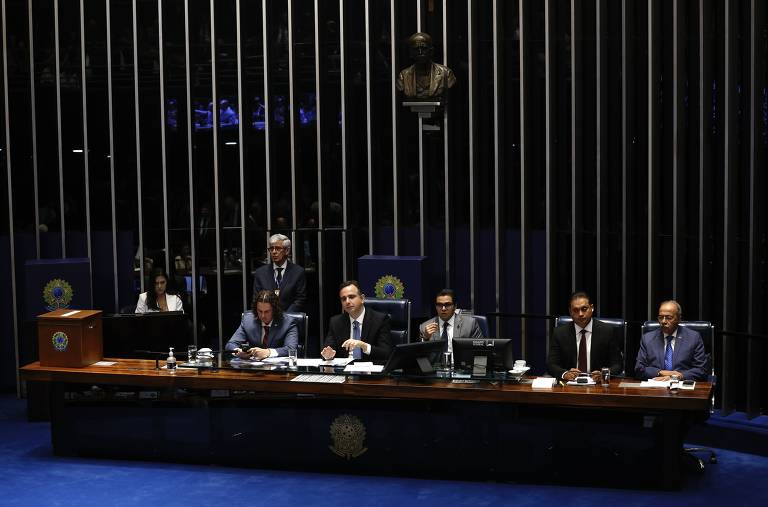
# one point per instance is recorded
(265, 331)
(282, 276)
(671, 349)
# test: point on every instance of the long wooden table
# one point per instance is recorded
(373, 424)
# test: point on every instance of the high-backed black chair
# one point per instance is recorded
(707, 332)
(399, 311)
(302, 322)
(619, 334)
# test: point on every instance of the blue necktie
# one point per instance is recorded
(668, 354)
(357, 353)
(278, 277)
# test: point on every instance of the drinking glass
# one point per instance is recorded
(191, 353)
(292, 360)
(448, 361)
(605, 373)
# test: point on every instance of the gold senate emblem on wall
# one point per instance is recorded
(348, 434)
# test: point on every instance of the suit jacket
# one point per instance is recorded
(375, 332)
(689, 356)
(465, 326)
(282, 334)
(563, 353)
(293, 287)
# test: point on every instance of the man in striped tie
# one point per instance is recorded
(671, 349)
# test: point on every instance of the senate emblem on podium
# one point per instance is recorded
(57, 294)
(348, 434)
(389, 287)
(60, 341)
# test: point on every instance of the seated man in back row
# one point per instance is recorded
(359, 332)
(264, 332)
(583, 346)
(671, 349)
(448, 324)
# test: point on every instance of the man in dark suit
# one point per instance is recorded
(586, 345)
(671, 349)
(265, 331)
(358, 331)
(283, 277)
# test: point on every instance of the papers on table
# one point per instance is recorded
(543, 383)
(275, 360)
(104, 363)
(665, 384)
(69, 314)
(309, 362)
(655, 383)
(338, 361)
(364, 367)
(322, 379)
(249, 362)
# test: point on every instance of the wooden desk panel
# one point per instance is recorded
(142, 373)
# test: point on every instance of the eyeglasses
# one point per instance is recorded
(443, 305)
(662, 318)
(275, 248)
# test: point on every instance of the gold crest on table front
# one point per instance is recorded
(348, 435)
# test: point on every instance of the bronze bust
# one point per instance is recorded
(425, 79)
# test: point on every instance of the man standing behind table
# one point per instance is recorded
(359, 332)
(671, 349)
(264, 332)
(583, 346)
(282, 276)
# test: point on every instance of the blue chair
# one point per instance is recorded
(399, 311)
(707, 332)
(302, 322)
(482, 321)
(620, 334)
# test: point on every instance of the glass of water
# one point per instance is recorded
(448, 361)
(605, 373)
(191, 353)
(292, 357)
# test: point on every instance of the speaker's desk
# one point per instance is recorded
(378, 425)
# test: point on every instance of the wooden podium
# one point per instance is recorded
(69, 338)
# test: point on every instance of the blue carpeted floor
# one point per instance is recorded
(31, 475)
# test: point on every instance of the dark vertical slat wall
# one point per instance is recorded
(615, 147)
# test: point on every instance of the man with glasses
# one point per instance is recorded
(671, 350)
(282, 276)
(448, 324)
(583, 346)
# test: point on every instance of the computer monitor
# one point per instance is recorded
(483, 355)
(414, 358)
(132, 335)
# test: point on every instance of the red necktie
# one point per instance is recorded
(265, 339)
(582, 363)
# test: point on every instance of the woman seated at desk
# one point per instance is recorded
(157, 299)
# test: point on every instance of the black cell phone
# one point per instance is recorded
(688, 382)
